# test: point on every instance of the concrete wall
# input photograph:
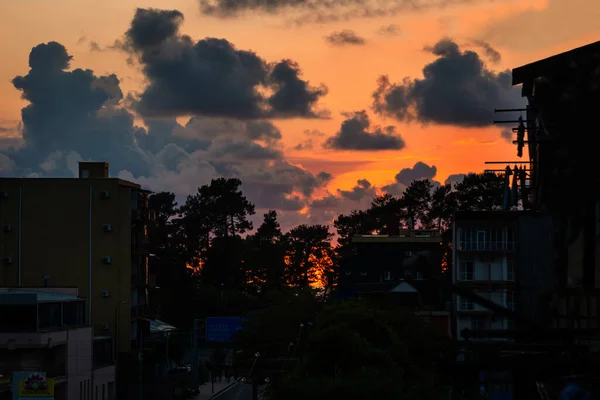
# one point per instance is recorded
(79, 360)
(104, 383)
(55, 242)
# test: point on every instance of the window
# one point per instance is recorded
(464, 304)
(408, 273)
(480, 240)
(479, 324)
(111, 390)
(466, 271)
(510, 270)
(74, 313)
(387, 276)
(419, 275)
(96, 392)
(408, 253)
(81, 390)
(85, 173)
(103, 391)
(510, 238)
(347, 273)
(49, 315)
(363, 273)
(510, 300)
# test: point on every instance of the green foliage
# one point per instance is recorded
(360, 352)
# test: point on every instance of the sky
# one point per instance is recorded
(317, 106)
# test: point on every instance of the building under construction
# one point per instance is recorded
(557, 180)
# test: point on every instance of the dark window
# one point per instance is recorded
(103, 352)
(466, 271)
(18, 318)
(74, 313)
(49, 316)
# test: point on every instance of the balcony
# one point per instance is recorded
(486, 246)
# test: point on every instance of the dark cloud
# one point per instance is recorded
(344, 37)
(309, 142)
(492, 54)
(76, 115)
(211, 77)
(455, 178)
(507, 134)
(456, 89)
(407, 175)
(356, 133)
(325, 209)
(389, 30)
(317, 11)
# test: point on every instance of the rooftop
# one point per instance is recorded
(545, 66)
(14, 296)
(405, 236)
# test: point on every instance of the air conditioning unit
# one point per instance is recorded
(3, 195)
(107, 260)
(104, 195)
(7, 228)
(105, 327)
(105, 293)
(107, 228)
(8, 260)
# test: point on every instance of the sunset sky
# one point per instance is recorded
(292, 101)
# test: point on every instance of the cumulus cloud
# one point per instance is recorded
(344, 37)
(311, 136)
(455, 178)
(76, 115)
(317, 11)
(457, 89)
(407, 175)
(492, 54)
(356, 133)
(211, 77)
(389, 30)
(328, 207)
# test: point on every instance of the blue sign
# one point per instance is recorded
(222, 329)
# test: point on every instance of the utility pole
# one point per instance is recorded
(195, 352)
(140, 373)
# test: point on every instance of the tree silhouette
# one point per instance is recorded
(307, 245)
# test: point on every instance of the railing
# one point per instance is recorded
(486, 246)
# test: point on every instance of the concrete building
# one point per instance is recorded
(44, 330)
(88, 232)
(484, 260)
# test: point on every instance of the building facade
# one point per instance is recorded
(44, 330)
(485, 261)
(88, 232)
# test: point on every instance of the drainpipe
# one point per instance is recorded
(20, 233)
(90, 295)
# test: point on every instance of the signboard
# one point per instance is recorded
(32, 385)
(222, 329)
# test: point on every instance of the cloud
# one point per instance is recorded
(76, 115)
(492, 54)
(344, 37)
(356, 133)
(309, 142)
(507, 134)
(211, 77)
(407, 175)
(389, 30)
(456, 89)
(455, 178)
(317, 11)
(323, 210)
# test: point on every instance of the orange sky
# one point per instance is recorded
(521, 30)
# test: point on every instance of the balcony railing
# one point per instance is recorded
(486, 246)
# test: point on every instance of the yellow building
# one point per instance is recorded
(89, 233)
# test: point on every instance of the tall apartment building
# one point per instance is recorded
(484, 260)
(88, 232)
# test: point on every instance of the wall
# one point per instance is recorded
(536, 275)
(104, 382)
(55, 242)
(79, 361)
